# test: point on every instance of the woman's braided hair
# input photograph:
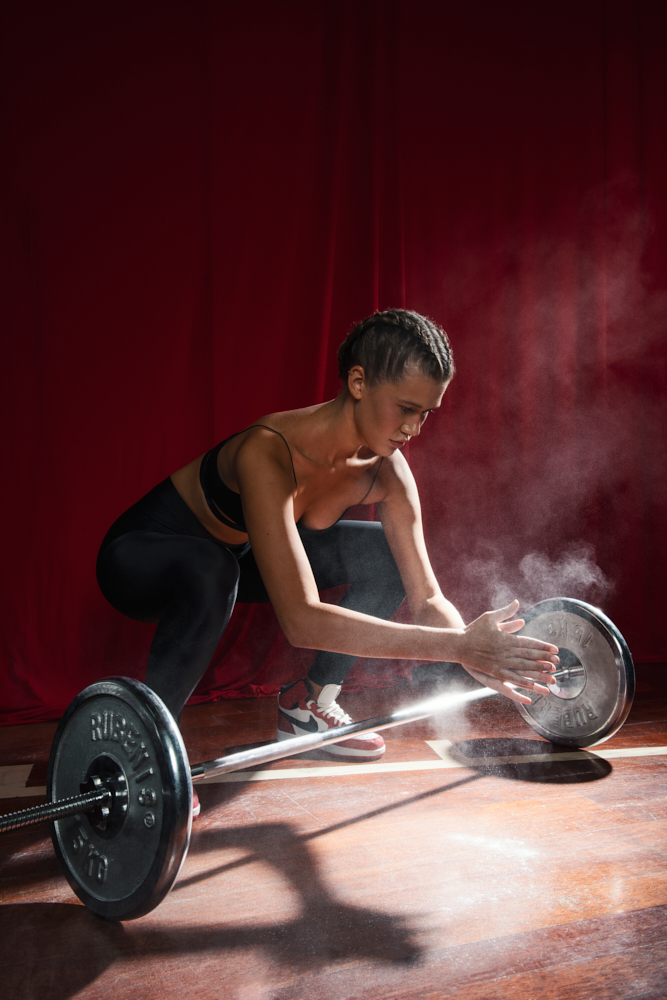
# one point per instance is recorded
(388, 344)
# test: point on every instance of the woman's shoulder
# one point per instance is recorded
(262, 445)
(284, 429)
(394, 474)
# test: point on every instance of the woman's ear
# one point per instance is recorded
(356, 381)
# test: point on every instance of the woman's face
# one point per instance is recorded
(391, 413)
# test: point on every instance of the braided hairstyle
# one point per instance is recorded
(388, 344)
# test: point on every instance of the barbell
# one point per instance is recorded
(119, 784)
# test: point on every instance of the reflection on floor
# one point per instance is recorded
(476, 870)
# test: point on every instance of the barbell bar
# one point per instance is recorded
(88, 802)
(119, 771)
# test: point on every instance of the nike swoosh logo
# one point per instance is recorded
(310, 726)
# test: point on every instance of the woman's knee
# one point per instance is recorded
(210, 575)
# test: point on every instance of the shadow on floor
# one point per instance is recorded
(51, 951)
(277, 843)
(476, 753)
(55, 950)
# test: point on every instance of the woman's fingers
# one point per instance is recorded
(505, 682)
(523, 681)
(513, 661)
(500, 618)
(501, 614)
(505, 660)
(501, 686)
(535, 649)
(540, 676)
(512, 626)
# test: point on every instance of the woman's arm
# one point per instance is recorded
(481, 649)
(265, 480)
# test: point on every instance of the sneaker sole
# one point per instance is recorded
(336, 750)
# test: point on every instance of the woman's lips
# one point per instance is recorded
(397, 444)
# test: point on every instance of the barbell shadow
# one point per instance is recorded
(326, 930)
(64, 948)
(47, 935)
(483, 754)
(473, 753)
(210, 840)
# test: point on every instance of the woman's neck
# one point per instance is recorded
(328, 435)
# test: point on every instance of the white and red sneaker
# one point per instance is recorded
(300, 715)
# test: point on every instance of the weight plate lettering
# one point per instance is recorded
(122, 859)
(595, 680)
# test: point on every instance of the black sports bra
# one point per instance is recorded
(224, 503)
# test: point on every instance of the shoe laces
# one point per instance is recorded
(335, 712)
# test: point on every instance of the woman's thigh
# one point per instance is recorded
(141, 572)
(347, 552)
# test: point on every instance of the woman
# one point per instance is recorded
(258, 519)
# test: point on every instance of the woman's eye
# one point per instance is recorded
(406, 409)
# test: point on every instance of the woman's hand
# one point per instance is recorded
(500, 660)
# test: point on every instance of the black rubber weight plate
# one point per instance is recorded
(595, 679)
(121, 868)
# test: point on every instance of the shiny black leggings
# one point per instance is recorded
(159, 564)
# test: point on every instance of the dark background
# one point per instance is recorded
(200, 198)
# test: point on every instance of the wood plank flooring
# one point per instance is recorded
(488, 880)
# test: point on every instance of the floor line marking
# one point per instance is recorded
(13, 785)
(444, 763)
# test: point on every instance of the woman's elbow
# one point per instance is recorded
(299, 629)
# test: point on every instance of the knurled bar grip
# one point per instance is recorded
(313, 741)
(53, 810)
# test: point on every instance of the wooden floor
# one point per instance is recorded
(478, 880)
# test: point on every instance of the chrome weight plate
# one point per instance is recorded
(595, 680)
(121, 860)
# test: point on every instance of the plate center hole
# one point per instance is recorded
(108, 818)
(570, 675)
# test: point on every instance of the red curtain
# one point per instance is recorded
(199, 200)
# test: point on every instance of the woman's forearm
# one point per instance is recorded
(340, 630)
(487, 645)
(437, 612)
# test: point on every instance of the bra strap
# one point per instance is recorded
(373, 483)
(266, 427)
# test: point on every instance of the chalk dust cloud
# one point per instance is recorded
(536, 576)
(544, 473)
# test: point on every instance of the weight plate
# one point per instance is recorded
(595, 679)
(122, 861)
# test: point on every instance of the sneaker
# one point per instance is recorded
(300, 715)
(196, 804)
